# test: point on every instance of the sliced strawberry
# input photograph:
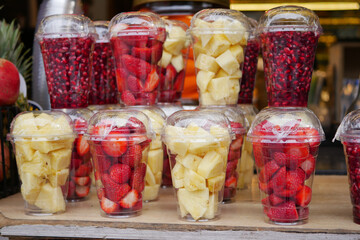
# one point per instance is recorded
(108, 206)
(82, 181)
(83, 170)
(75, 163)
(100, 193)
(303, 197)
(268, 171)
(121, 76)
(114, 145)
(278, 181)
(297, 153)
(234, 155)
(136, 66)
(120, 173)
(264, 187)
(231, 182)
(135, 125)
(82, 191)
(80, 124)
(285, 212)
(113, 190)
(138, 177)
(272, 200)
(152, 81)
(82, 146)
(145, 98)
(294, 183)
(231, 167)
(133, 156)
(134, 84)
(130, 200)
(314, 137)
(128, 98)
(170, 74)
(258, 155)
(179, 81)
(280, 158)
(236, 144)
(308, 166)
(100, 130)
(149, 54)
(119, 46)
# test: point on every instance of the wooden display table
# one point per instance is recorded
(330, 218)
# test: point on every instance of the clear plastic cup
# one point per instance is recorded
(43, 141)
(119, 143)
(348, 134)
(67, 42)
(285, 145)
(198, 145)
(288, 37)
(103, 87)
(250, 66)
(81, 168)
(219, 39)
(173, 61)
(137, 41)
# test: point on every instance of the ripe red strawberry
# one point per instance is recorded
(120, 46)
(135, 125)
(230, 168)
(268, 171)
(297, 153)
(120, 173)
(83, 170)
(75, 163)
(133, 156)
(113, 190)
(149, 54)
(100, 130)
(280, 158)
(138, 177)
(82, 181)
(82, 146)
(264, 187)
(236, 144)
(128, 98)
(231, 182)
(285, 212)
(294, 183)
(82, 191)
(130, 199)
(108, 206)
(170, 74)
(121, 76)
(278, 181)
(258, 155)
(152, 81)
(114, 145)
(308, 166)
(234, 155)
(303, 197)
(137, 67)
(313, 135)
(134, 84)
(272, 200)
(179, 81)
(146, 98)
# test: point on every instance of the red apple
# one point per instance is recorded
(9, 82)
(6, 161)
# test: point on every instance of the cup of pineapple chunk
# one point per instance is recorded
(219, 39)
(43, 142)
(198, 145)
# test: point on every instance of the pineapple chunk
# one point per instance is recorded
(221, 73)
(213, 206)
(206, 63)
(30, 186)
(151, 192)
(40, 165)
(158, 177)
(223, 151)
(238, 52)
(50, 199)
(43, 119)
(217, 45)
(219, 88)
(204, 37)
(60, 159)
(211, 165)
(193, 181)
(216, 183)
(157, 121)
(203, 78)
(149, 177)
(46, 146)
(219, 132)
(177, 174)
(197, 49)
(174, 140)
(236, 75)
(182, 209)
(174, 46)
(195, 202)
(207, 99)
(24, 151)
(155, 160)
(58, 178)
(165, 59)
(156, 143)
(25, 124)
(228, 62)
(237, 34)
(190, 161)
(220, 23)
(177, 32)
(178, 62)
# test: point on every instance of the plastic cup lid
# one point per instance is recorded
(80, 118)
(349, 129)
(155, 114)
(101, 28)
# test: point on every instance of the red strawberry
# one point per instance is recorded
(152, 54)
(100, 193)
(230, 168)
(258, 155)
(100, 130)
(170, 74)
(303, 197)
(236, 144)
(128, 98)
(294, 183)
(278, 181)
(231, 182)
(264, 187)
(297, 153)
(83, 170)
(113, 190)
(146, 98)
(120, 173)
(82, 191)
(138, 177)
(71, 189)
(268, 171)
(108, 206)
(121, 76)
(308, 166)
(272, 200)
(234, 155)
(313, 136)
(133, 156)
(152, 81)
(280, 158)
(119, 46)
(75, 163)
(82, 146)
(134, 84)
(80, 124)
(114, 145)
(285, 212)
(130, 199)
(136, 66)
(135, 125)
(82, 181)
(179, 81)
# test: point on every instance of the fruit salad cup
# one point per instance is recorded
(348, 134)
(137, 41)
(173, 61)
(80, 167)
(198, 145)
(288, 37)
(43, 141)
(67, 42)
(119, 143)
(219, 39)
(285, 144)
(250, 66)
(103, 89)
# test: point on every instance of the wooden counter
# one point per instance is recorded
(330, 217)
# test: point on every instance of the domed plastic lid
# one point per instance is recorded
(289, 18)
(156, 115)
(120, 124)
(249, 112)
(219, 21)
(65, 25)
(253, 24)
(349, 129)
(286, 125)
(80, 118)
(41, 126)
(101, 28)
(138, 23)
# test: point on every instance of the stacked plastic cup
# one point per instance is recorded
(286, 135)
(67, 42)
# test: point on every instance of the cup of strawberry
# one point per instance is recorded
(137, 41)
(119, 142)
(348, 134)
(285, 145)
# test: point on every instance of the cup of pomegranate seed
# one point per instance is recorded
(137, 41)
(80, 166)
(173, 61)
(348, 134)
(103, 88)
(219, 39)
(67, 42)
(119, 143)
(198, 145)
(288, 38)
(285, 145)
(250, 65)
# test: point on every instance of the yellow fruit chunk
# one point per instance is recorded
(24, 125)
(50, 199)
(220, 23)
(228, 62)
(216, 183)
(219, 88)
(202, 80)
(149, 177)
(40, 165)
(206, 63)
(190, 161)
(195, 202)
(155, 160)
(60, 159)
(207, 99)
(217, 45)
(213, 206)
(238, 52)
(165, 59)
(178, 62)
(193, 181)
(175, 140)
(197, 48)
(158, 177)
(221, 73)
(151, 192)
(156, 143)
(211, 165)
(237, 34)
(43, 119)
(30, 186)
(43, 145)
(58, 178)
(24, 151)
(177, 175)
